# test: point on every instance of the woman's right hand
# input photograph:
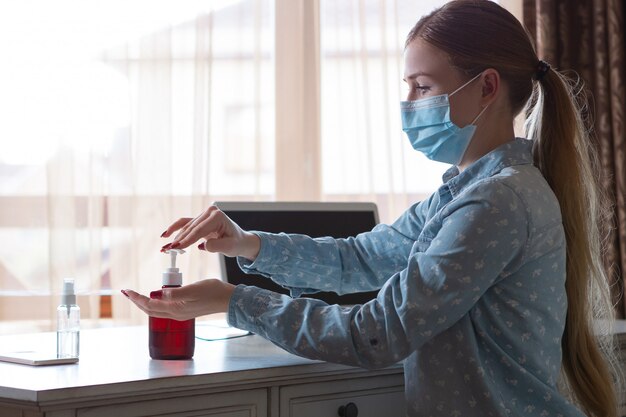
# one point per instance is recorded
(220, 233)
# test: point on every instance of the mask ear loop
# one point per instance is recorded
(463, 86)
(479, 114)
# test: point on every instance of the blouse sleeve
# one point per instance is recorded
(482, 239)
(357, 264)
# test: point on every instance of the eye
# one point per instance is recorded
(417, 87)
(421, 89)
(417, 90)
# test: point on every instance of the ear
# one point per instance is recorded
(491, 85)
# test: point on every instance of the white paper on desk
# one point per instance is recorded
(211, 330)
(35, 358)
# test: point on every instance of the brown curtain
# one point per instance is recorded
(587, 36)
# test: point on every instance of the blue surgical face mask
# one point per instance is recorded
(428, 125)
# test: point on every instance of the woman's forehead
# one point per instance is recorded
(422, 58)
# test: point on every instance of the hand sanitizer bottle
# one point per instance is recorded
(68, 322)
(168, 338)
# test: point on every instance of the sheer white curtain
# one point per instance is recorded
(364, 153)
(119, 117)
(201, 129)
(338, 133)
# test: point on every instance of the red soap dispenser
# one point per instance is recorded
(169, 338)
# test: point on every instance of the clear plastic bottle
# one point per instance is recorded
(68, 322)
(168, 338)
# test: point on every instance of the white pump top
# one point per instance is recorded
(68, 296)
(172, 276)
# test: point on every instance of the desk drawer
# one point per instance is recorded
(372, 397)
(249, 403)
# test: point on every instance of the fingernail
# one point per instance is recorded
(156, 294)
(163, 234)
(202, 246)
(174, 245)
(166, 247)
(125, 293)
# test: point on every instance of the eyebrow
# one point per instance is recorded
(415, 75)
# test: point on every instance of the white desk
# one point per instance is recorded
(242, 377)
(234, 378)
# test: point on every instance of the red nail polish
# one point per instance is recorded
(163, 234)
(202, 246)
(125, 293)
(174, 245)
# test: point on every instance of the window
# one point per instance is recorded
(365, 154)
(121, 116)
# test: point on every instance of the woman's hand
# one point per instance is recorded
(221, 235)
(198, 299)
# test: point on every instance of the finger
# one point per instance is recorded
(210, 237)
(176, 225)
(223, 245)
(211, 227)
(201, 227)
(150, 306)
(188, 224)
(192, 226)
(206, 213)
(172, 303)
(128, 294)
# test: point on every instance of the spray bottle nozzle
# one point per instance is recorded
(68, 286)
(68, 295)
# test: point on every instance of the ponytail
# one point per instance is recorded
(564, 154)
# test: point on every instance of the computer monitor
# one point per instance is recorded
(339, 220)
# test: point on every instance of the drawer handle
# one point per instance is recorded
(348, 410)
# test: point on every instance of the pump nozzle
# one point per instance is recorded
(173, 253)
(171, 276)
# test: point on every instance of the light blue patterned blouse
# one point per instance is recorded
(471, 297)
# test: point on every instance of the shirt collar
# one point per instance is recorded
(515, 152)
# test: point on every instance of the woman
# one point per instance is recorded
(487, 288)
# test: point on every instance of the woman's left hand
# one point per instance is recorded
(183, 303)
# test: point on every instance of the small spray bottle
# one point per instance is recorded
(68, 322)
(169, 338)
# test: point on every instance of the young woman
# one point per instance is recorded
(487, 289)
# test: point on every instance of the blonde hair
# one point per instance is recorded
(561, 140)
(479, 34)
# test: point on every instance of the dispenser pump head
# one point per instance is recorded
(172, 276)
(68, 296)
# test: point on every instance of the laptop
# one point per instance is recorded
(318, 219)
